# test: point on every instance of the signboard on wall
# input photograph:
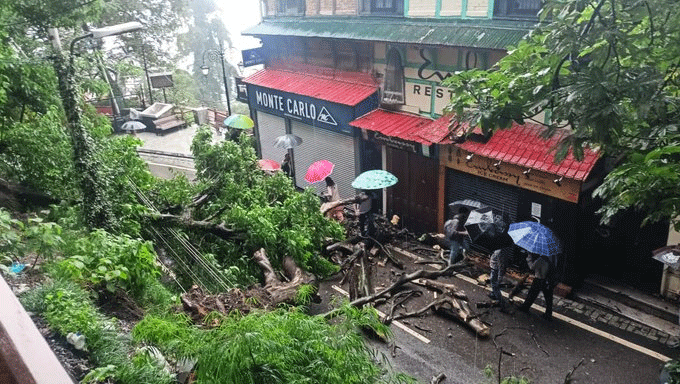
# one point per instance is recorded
(252, 57)
(537, 181)
(241, 90)
(315, 112)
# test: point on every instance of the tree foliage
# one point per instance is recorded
(269, 209)
(608, 72)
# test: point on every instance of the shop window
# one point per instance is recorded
(517, 9)
(474, 59)
(345, 56)
(393, 86)
(290, 7)
(383, 7)
(319, 52)
(364, 57)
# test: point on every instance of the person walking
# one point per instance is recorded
(498, 261)
(544, 281)
(497, 265)
(366, 210)
(458, 236)
(333, 195)
(285, 165)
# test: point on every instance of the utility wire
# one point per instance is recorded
(188, 247)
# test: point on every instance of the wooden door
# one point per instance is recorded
(414, 197)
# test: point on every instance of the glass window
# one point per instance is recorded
(393, 87)
(291, 7)
(383, 7)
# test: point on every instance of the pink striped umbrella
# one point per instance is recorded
(318, 171)
(268, 165)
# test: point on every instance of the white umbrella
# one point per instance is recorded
(133, 126)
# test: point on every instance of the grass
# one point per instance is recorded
(67, 308)
(284, 346)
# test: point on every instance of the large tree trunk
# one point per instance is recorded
(283, 292)
(274, 292)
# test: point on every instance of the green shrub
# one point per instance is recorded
(109, 261)
(173, 335)
(67, 309)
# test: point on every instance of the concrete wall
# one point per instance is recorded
(421, 8)
(448, 8)
(167, 166)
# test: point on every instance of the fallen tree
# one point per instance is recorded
(274, 292)
(452, 305)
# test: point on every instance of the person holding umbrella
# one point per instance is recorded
(367, 209)
(369, 182)
(543, 247)
(544, 281)
(334, 195)
(285, 165)
(457, 234)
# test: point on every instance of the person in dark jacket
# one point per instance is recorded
(458, 236)
(367, 209)
(285, 165)
(544, 281)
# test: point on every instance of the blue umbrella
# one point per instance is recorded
(535, 238)
(375, 179)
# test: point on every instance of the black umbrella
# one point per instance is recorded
(488, 229)
(469, 204)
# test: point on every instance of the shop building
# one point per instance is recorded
(366, 78)
(376, 67)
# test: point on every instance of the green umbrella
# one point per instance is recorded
(239, 121)
(375, 179)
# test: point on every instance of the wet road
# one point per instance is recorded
(542, 351)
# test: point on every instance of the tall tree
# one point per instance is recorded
(608, 72)
(42, 18)
(206, 34)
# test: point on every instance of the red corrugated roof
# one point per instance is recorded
(337, 90)
(396, 124)
(437, 131)
(522, 145)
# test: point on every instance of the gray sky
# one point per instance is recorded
(239, 15)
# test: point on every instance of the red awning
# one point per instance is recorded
(522, 145)
(337, 90)
(438, 131)
(396, 124)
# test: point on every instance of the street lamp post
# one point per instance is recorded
(96, 205)
(214, 55)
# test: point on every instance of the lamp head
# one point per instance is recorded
(117, 29)
(205, 70)
(469, 157)
(558, 181)
(527, 172)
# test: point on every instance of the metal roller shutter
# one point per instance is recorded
(321, 144)
(269, 127)
(504, 198)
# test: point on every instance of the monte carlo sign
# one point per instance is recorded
(315, 112)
